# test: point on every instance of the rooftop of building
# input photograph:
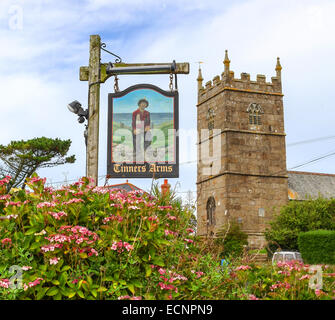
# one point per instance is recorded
(310, 185)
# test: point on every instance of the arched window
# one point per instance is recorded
(255, 111)
(210, 211)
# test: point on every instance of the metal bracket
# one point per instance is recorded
(103, 46)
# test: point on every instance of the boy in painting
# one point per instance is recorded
(141, 128)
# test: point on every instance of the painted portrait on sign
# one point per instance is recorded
(143, 126)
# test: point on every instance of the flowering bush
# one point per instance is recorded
(92, 243)
(83, 242)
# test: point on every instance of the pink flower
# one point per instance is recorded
(111, 218)
(153, 218)
(133, 208)
(74, 200)
(242, 268)
(164, 286)
(5, 180)
(306, 276)
(319, 292)
(32, 284)
(197, 273)
(53, 260)
(252, 297)
(171, 217)
(279, 284)
(167, 232)
(58, 215)
(128, 246)
(51, 247)
(6, 241)
(5, 197)
(12, 216)
(93, 251)
(4, 283)
(149, 204)
(36, 179)
(129, 297)
(189, 230)
(114, 246)
(161, 271)
(46, 204)
(188, 240)
(120, 245)
(12, 203)
(164, 207)
(25, 268)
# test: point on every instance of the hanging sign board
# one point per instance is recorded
(143, 133)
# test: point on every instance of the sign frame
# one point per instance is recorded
(147, 169)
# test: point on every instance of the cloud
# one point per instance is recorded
(39, 64)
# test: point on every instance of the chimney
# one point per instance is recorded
(165, 187)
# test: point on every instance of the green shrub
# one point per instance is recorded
(232, 239)
(79, 242)
(300, 216)
(317, 246)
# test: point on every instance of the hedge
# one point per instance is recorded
(317, 246)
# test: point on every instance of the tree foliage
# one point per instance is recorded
(20, 159)
(232, 239)
(300, 216)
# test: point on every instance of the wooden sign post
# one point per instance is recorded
(95, 74)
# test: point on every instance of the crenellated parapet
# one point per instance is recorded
(227, 81)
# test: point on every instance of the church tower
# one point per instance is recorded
(241, 171)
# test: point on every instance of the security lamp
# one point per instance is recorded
(111, 69)
(75, 107)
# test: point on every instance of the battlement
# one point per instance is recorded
(227, 81)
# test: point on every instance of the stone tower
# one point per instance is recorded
(241, 122)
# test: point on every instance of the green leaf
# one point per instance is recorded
(85, 286)
(58, 296)
(35, 245)
(65, 268)
(94, 293)
(89, 281)
(158, 261)
(41, 293)
(55, 282)
(148, 270)
(81, 294)
(131, 288)
(52, 291)
(108, 278)
(31, 231)
(71, 294)
(137, 283)
(102, 289)
(63, 279)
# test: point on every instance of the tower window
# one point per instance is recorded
(255, 111)
(211, 211)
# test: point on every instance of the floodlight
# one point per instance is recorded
(74, 106)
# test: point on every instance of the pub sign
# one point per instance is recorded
(143, 133)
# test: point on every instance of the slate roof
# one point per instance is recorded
(303, 185)
(124, 186)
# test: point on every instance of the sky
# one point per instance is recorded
(157, 102)
(44, 43)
